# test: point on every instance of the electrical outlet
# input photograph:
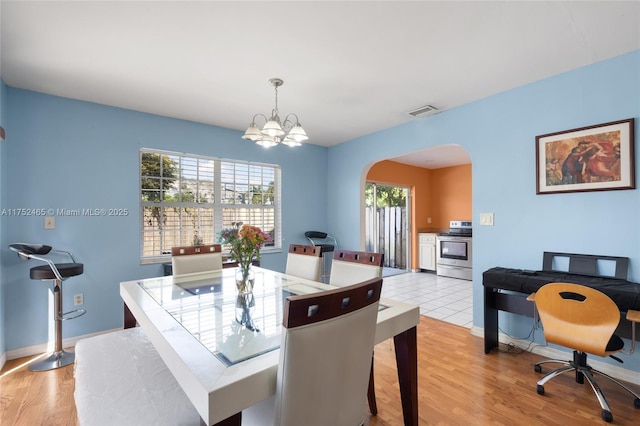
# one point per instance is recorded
(49, 222)
(78, 299)
(428, 220)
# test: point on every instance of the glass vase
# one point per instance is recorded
(245, 304)
(245, 278)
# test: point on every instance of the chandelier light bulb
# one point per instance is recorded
(267, 141)
(291, 142)
(252, 133)
(273, 128)
(297, 133)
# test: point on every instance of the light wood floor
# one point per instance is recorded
(458, 385)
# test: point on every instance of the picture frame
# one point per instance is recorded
(593, 158)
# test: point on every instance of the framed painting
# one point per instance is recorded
(594, 158)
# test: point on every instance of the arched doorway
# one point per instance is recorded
(439, 181)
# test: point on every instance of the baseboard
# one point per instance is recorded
(3, 360)
(46, 347)
(619, 373)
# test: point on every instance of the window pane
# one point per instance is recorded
(206, 188)
(152, 231)
(196, 226)
(150, 164)
(262, 218)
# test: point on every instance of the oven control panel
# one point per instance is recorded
(460, 224)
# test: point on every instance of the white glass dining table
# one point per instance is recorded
(223, 349)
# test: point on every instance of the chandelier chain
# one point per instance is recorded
(276, 110)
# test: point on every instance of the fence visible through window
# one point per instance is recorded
(387, 223)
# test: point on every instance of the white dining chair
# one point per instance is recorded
(350, 267)
(304, 261)
(325, 358)
(194, 259)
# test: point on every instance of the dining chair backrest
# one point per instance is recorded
(304, 261)
(325, 356)
(350, 267)
(193, 259)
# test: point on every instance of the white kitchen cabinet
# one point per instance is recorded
(427, 251)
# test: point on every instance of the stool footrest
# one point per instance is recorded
(77, 312)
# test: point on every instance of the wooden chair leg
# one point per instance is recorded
(371, 392)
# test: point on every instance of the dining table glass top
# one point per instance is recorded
(231, 326)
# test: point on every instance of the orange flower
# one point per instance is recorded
(245, 243)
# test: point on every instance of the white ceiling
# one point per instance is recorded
(350, 68)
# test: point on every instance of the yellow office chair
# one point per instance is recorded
(583, 319)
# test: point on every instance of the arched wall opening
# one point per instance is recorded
(440, 183)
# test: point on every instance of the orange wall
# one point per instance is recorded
(440, 194)
(450, 195)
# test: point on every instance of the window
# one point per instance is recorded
(188, 199)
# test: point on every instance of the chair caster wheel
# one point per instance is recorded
(607, 416)
(636, 403)
(540, 390)
(537, 368)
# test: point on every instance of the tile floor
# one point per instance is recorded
(443, 298)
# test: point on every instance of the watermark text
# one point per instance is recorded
(83, 212)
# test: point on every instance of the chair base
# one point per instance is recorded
(583, 371)
(53, 361)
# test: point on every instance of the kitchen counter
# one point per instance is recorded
(432, 230)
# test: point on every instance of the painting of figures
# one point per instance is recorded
(587, 159)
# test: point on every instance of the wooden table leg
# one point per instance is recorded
(235, 420)
(371, 392)
(129, 319)
(406, 346)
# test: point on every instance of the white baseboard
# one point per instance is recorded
(46, 347)
(3, 360)
(610, 369)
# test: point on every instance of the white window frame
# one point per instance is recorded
(217, 206)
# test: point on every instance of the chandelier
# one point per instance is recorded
(288, 132)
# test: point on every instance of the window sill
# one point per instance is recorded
(167, 258)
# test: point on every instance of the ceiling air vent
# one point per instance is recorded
(424, 110)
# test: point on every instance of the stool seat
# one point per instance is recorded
(44, 272)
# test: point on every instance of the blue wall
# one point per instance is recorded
(499, 133)
(3, 98)
(67, 154)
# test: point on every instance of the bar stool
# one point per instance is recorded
(327, 244)
(57, 272)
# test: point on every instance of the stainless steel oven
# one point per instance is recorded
(454, 251)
